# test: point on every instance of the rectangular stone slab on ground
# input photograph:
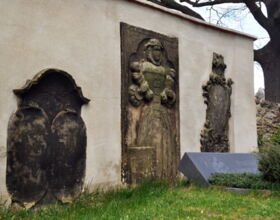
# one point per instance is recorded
(198, 167)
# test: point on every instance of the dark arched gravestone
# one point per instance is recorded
(46, 140)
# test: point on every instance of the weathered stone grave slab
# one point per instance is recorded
(198, 167)
(150, 105)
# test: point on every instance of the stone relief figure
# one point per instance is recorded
(46, 146)
(152, 81)
(149, 104)
(153, 84)
(217, 92)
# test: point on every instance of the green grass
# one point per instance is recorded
(159, 201)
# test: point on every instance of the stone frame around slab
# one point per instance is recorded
(140, 162)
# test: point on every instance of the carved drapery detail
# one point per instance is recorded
(140, 89)
(46, 141)
(149, 105)
(216, 92)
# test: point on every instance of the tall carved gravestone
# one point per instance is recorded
(217, 92)
(150, 101)
(46, 147)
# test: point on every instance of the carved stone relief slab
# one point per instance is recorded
(217, 92)
(46, 140)
(150, 105)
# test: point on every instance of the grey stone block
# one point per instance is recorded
(198, 167)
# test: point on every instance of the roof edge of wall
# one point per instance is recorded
(191, 19)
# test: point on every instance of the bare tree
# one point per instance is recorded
(269, 55)
(172, 4)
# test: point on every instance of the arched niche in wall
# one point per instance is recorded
(46, 140)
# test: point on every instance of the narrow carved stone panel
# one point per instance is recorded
(47, 140)
(217, 92)
(150, 105)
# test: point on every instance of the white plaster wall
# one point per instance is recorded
(83, 38)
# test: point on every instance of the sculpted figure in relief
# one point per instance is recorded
(152, 80)
(153, 89)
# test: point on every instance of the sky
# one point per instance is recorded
(241, 20)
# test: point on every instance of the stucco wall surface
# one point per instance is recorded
(83, 39)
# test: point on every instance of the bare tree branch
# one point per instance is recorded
(251, 4)
(268, 56)
(225, 13)
(258, 15)
(197, 3)
(174, 5)
(260, 55)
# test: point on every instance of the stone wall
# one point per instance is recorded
(83, 39)
(268, 117)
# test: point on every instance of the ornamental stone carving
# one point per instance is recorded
(216, 92)
(152, 82)
(150, 109)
